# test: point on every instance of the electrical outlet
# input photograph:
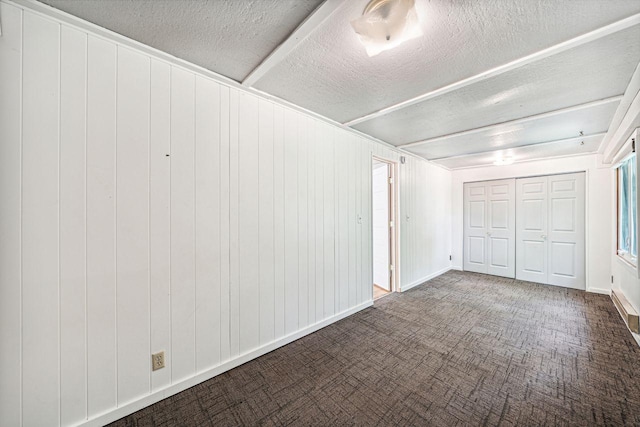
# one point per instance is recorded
(157, 361)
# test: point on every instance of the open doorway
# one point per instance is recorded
(383, 216)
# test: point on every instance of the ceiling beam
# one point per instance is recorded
(317, 17)
(537, 56)
(541, 143)
(517, 121)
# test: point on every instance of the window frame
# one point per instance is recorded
(623, 254)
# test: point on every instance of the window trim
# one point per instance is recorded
(623, 255)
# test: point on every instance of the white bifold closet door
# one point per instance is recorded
(550, 224)
(489, 227)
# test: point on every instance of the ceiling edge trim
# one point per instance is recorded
(308, 26)
(534, 117)
(59, 16)
(501, 69)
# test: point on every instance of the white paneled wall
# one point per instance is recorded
(148, 208)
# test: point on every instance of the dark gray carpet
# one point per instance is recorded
(461, 349)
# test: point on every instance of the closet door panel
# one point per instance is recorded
(566, 237)
(501, 228)
(531, 229)
(475, 227)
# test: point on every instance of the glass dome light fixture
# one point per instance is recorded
(385, 24)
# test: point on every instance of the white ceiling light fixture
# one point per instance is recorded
(503, 161)
(385, 24)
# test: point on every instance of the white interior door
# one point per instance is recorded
(381, 229)
(475, 227)
(501, 228)
(489, 227)
(550, 224)
(531, 229)
(566, 227)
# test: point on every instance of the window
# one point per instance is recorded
(627, 237)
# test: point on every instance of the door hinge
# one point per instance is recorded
(390, 180)
(633, 145)
(390, 224)
(390, 267)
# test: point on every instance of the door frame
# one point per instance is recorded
(394, 214)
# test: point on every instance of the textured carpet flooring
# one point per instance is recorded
(461, 349)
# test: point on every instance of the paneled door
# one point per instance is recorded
(566, 233)
(531, 226)
(551, 230)
(489, 227)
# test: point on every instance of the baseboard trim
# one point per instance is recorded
(424, 279)
(626, 311)
(599, 291)
(156, 396)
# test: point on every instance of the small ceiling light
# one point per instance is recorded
(385, 24)
(503, 161)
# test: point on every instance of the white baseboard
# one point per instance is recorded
(457, 267)
(599, 291)
(424, 279)
(156, 396)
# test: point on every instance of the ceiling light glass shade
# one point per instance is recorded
(387, 23)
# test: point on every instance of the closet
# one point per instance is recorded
(489, 227)
(550, 230)
(527, 228)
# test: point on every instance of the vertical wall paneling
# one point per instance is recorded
(149, 208)
(160, 218)
(345, 226)
(73, 85)
(303, 235)
(266, 210)
(337, 185)
(358, 217)
(311, 222)
(132, 225)
(234, 289)
(291, 220)
(101, 219)
(279, 221)
(10, 181)
(352, 220)
(319, 145)
(225, 341)
(328, 244)
(207, 152)
(40, 227)
(182, 224)
(248, 215)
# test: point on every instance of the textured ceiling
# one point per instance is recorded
(534, 110)
(331, 74)
(590, 120)
(593, 71)
(229, 37)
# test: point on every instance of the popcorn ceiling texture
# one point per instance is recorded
(226, 36)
